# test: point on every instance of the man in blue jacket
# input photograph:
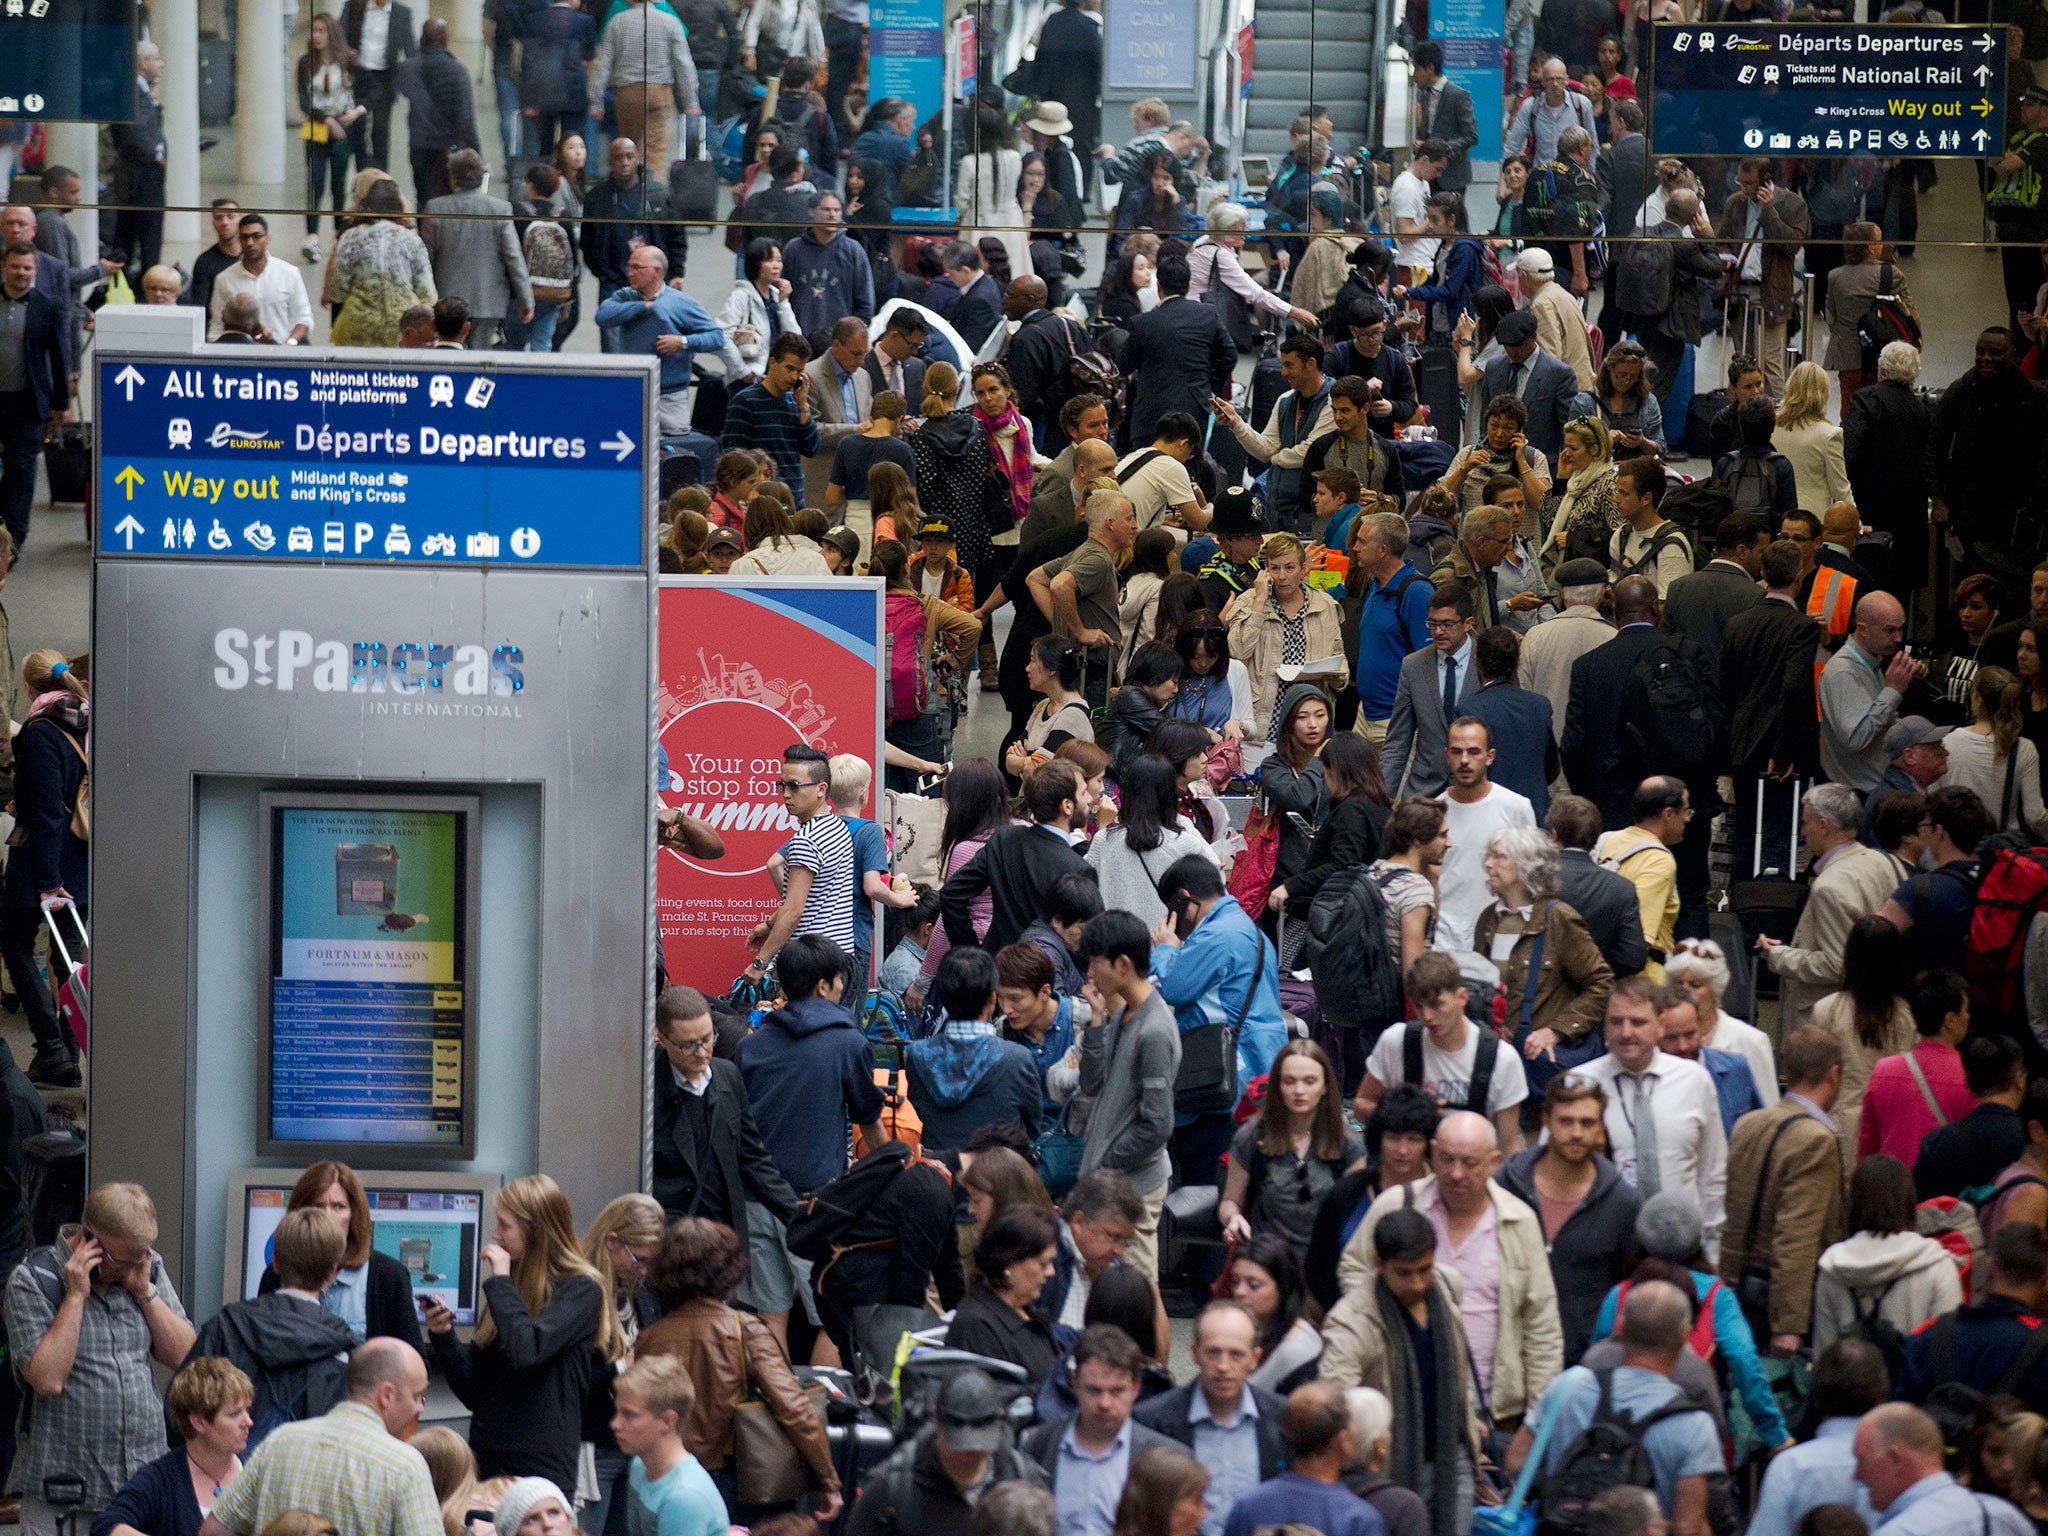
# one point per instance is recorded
(652, 317)
(809, 1080)
(1211, 965)
(828, 271)
(1393, 618)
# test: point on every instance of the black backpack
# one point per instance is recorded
(1697, 506)
(1482, 1066)
(1887, 319)
(825, 1220)
(1952, 1404)
(1643, 286)
(1609, 1453)
(1357, 980)
(1675, 722)
(1752, 483)
(1874, 1328)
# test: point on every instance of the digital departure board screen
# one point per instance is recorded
(371, 990)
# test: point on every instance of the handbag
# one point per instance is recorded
(769, 1469)
(1515, 1518)
(1223, 762)
(1207, 1080)
(1251, 876)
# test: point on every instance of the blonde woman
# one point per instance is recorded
(1993, 758)
(1280, 620)
(48, 864)
(619, 1245)
(1580, 506)
(547, 1323)
(453, 1470)
(1811, 441)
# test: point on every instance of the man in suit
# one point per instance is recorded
(893, 362)
(1058, 503)
(1104, 1374)
(1548, 387)
(709, 1158)
(1434, 686)
(1849, 886)
(1518, 721)
(1177, 357)
(556, 44)
(380, 33)
(1040, 349)
(32, 333)
(139, 167)
(1622, 174)
(18, 226)
(1700, 603)
(1766, 661)
(627, 208)
(842, 390)
(974, 305)
(1607, 902)
(443, 118)
(475, 252)
(1444, 111)
(1786, 1163)
(1596, 760)
(1220, 1410)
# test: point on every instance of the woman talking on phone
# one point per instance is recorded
(547, 1323)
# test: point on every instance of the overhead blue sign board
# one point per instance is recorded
(68, 60)
(1828, 89)
(1471, 32)
(907, 53)
(444, 461)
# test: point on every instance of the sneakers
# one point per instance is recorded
(54, 1067)
(311, 249)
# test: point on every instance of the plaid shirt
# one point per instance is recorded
(108, 1423)
(345, 1465)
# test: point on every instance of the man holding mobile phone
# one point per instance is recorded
(1765, 225)
(85, 1317)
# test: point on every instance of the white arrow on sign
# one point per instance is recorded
(620, 445)
(128, 528)
(1981, 137)
(1983, 74)
(1988, 43)
(128, 378)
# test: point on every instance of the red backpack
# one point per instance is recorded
(1702, 1336)
(2011, 890)
(909, 683)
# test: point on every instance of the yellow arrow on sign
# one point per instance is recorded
(129, 478)
(1982, 109)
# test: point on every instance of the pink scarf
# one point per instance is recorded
(1018, 466)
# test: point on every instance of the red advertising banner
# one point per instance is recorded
(745, 669)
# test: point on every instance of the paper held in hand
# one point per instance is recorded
(1313, 671)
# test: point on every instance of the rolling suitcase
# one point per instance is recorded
(693, 187)
(1436, 389)
(1770, 904)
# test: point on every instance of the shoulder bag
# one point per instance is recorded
(1207, 1080)
(767, 1464)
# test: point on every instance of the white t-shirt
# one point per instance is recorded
(1448, 1078)
(1410, 199)
(1461, 889)
(1161, 485)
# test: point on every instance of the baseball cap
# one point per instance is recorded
(1535, 259)
(1911, 731)
(971, 1413)
(935, 528)
(724, 538)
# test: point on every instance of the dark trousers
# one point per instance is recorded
(429, 175)
(21, 441)
(845, 43)
(2022, 267)
(326, 163)
(1666, 354)
(377, 90)
(547, 129)
(1695, 871)
(1780, 826)
(18, 929)
(139, 226)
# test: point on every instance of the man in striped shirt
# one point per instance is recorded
(819, 880)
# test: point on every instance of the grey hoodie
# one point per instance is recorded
(1127, 1069)
(1915, 1277)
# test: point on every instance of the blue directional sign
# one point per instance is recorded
(1828, 90)
(449, 461)
(68, 60)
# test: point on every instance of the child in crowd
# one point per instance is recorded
(672, 1493)
(1336, 499)
(900, 970)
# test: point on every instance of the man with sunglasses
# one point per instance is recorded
(86, 1316)
(709, 1158)
(820, 878)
